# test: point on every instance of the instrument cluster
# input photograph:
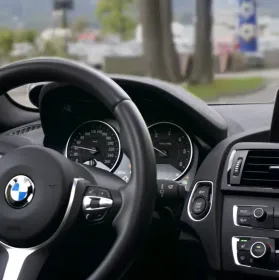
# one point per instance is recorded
(96, 143)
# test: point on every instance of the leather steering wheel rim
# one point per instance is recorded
(137, 208)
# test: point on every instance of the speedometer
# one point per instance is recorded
(173, 150)
(94, 143)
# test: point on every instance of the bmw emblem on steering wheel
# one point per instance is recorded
(19, 191)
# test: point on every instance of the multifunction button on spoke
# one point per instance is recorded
(96, 204)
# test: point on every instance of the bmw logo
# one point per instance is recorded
(19, 191)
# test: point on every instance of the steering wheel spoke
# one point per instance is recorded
(25, 263)
(20, 263)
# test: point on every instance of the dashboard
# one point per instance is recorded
(85, 132)
(207, 149)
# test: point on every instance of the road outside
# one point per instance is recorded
(265, 95)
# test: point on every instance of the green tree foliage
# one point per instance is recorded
(80, 25)
(6, 41)
(8, 37)
(25, 35)
(54, 47)
(115, 17)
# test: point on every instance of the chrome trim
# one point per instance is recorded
(191, 146)
(17, 256)
(15, 262)
(97, 121)
(231, 160)
(234, 251)
(104, 203)
(252, 254)
(191, 197)
(258, 216)
(235, 207)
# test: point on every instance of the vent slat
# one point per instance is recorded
(257, 164)
(265, 180)
(256, 170)
(261, 157)
(24, 130)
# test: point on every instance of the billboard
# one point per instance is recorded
(247, 26)
(63, 4)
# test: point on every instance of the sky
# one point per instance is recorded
(226, 4)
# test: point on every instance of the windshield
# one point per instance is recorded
(223, 51)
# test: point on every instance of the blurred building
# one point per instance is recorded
(55, 33)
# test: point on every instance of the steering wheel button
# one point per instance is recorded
(198, 206)
(92, 191)
(94, 203)
(104, 193)
(96, 215)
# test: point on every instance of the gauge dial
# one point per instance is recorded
(94, 143)
(173, 150)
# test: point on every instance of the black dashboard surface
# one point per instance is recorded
(65, 108)
(245, 117)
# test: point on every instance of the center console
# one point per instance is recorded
(250, 214)
(253, 251)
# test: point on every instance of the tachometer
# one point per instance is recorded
(173, 150)
(94, 143)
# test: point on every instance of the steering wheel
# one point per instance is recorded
(42, 193)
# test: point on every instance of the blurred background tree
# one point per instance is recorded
(172, 63)
(80, 25)
(115, 17)
(202, 71)
(6, 41)
(25, 35)
(158, 44)
(54, 47)
(159, 50)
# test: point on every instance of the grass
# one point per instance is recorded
(225, 86)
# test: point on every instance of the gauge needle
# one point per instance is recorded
(94, 150)
(164, 154)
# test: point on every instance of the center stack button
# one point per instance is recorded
(244, 214)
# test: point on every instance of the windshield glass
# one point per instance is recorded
(223, 51)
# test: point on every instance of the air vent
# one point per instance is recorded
(24, 129)
(261, 169)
